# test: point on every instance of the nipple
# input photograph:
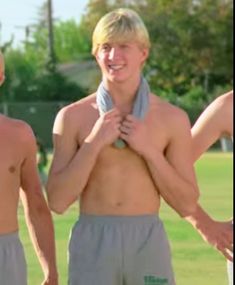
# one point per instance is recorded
(12, 169)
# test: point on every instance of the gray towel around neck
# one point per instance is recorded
(140, 107)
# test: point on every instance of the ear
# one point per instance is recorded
(145, 54)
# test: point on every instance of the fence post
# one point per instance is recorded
(225, 144)
(5, 108)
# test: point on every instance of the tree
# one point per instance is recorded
(191, 55)
(70, 41)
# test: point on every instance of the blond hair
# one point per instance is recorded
(120, 26)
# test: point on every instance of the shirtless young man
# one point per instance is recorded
(119, 238)
(215, 122)
(18, 169)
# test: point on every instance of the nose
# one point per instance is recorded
(114, 53)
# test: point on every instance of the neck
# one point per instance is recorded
(122, 94)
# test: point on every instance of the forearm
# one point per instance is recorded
(41, 231)
(66, 185)
(199, 219)
(179, 193)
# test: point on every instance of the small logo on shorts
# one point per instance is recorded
(154, 280)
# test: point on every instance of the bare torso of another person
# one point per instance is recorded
(11, 159)
(120, 183)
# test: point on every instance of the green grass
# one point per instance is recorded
(195, 262)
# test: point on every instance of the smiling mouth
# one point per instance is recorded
(115, 67)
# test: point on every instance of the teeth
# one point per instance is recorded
(116, 67)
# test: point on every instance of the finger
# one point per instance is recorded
(118, 119)
(227, 255)
(128, 124)
(113, 112)
(125, 130)
(225, 251)
(114, 119)
(118, 126)
(230, 248)
(125, 137)
(131, 118)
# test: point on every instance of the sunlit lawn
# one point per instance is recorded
(195, 262)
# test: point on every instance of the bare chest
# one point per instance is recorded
(156, 131)
(11, 156)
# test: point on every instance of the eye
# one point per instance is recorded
(105, 47)
(124, 46)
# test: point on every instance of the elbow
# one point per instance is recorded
(58, 200)
(55, 203)
(57, 208)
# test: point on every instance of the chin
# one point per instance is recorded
(117, 78)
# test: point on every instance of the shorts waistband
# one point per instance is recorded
(113, 219)
(11, 237)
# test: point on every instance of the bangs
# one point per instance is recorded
(120, 26)
(118, 35)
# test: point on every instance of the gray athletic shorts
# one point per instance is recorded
(119, 250)
(12, 260)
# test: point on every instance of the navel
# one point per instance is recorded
(119, 204)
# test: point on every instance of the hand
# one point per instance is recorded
(135, 133)
(106, 129)
(51, 278)
(220, 236)
(50, 282)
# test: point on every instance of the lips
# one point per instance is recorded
(115, 67)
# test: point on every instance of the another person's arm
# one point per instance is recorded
(215, 122)
(218, 234)
(37, 214)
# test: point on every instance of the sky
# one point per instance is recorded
(15, 15)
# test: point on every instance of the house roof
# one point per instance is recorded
(84, 73)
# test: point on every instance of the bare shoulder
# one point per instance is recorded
(78, 108)
(171, 114)
(72, 117)
(20, 130)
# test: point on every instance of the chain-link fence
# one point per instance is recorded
(39, 115)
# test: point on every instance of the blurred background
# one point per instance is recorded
(47, 49)
(47, 46)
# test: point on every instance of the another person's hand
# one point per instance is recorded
(51, 281)
(220, 236)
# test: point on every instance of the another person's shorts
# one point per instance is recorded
(12, 261)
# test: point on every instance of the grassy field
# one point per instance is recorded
(195, 262)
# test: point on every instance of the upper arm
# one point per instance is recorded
(64, 141)
(31, 193)
(179, 150)
(209, 127)
(29, 173)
